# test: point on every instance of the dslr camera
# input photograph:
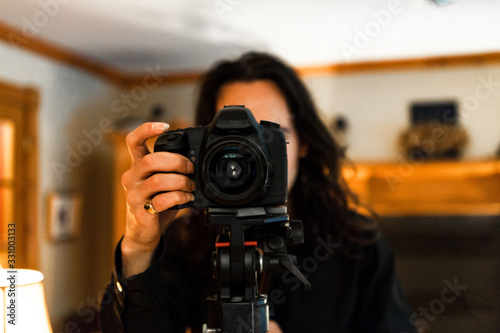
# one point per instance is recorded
(238, 162)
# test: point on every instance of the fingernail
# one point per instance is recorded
(193, 186)
(161, 126)
(191, 196)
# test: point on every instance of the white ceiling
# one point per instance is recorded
(189, 35)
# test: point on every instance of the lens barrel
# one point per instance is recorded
(234, 171)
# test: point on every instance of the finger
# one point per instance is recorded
(166, 183)
(274, 327)
(136, 140)
(164, 201)
(137, 195)
(162, 162)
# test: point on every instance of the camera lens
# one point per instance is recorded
(234, 171)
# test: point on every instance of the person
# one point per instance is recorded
(162, 265)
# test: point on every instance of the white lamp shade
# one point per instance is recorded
(23, 302)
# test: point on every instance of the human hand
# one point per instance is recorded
(274, 327)
(160, 177)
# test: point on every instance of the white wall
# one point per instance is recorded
(376, 106)
(70, 102)
(177, 100)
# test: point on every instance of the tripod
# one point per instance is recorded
(253, 240)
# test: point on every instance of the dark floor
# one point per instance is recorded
(450, 270)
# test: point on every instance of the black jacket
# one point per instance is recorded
(347, 295)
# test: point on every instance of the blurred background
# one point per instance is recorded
(410, 88)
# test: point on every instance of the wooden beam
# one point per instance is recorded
(162, 79)
(17, 39)
(480, 59)
(465, 60)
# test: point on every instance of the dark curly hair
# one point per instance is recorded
(321, 195)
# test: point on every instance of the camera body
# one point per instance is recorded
(238, 162)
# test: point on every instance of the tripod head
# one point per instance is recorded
(253, 240)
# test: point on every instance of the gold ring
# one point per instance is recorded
(149, 207)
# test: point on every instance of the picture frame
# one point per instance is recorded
(64, 215)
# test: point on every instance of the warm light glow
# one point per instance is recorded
(7, 149)
(23, 302)
(6, 182)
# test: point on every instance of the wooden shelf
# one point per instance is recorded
(430, 188)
